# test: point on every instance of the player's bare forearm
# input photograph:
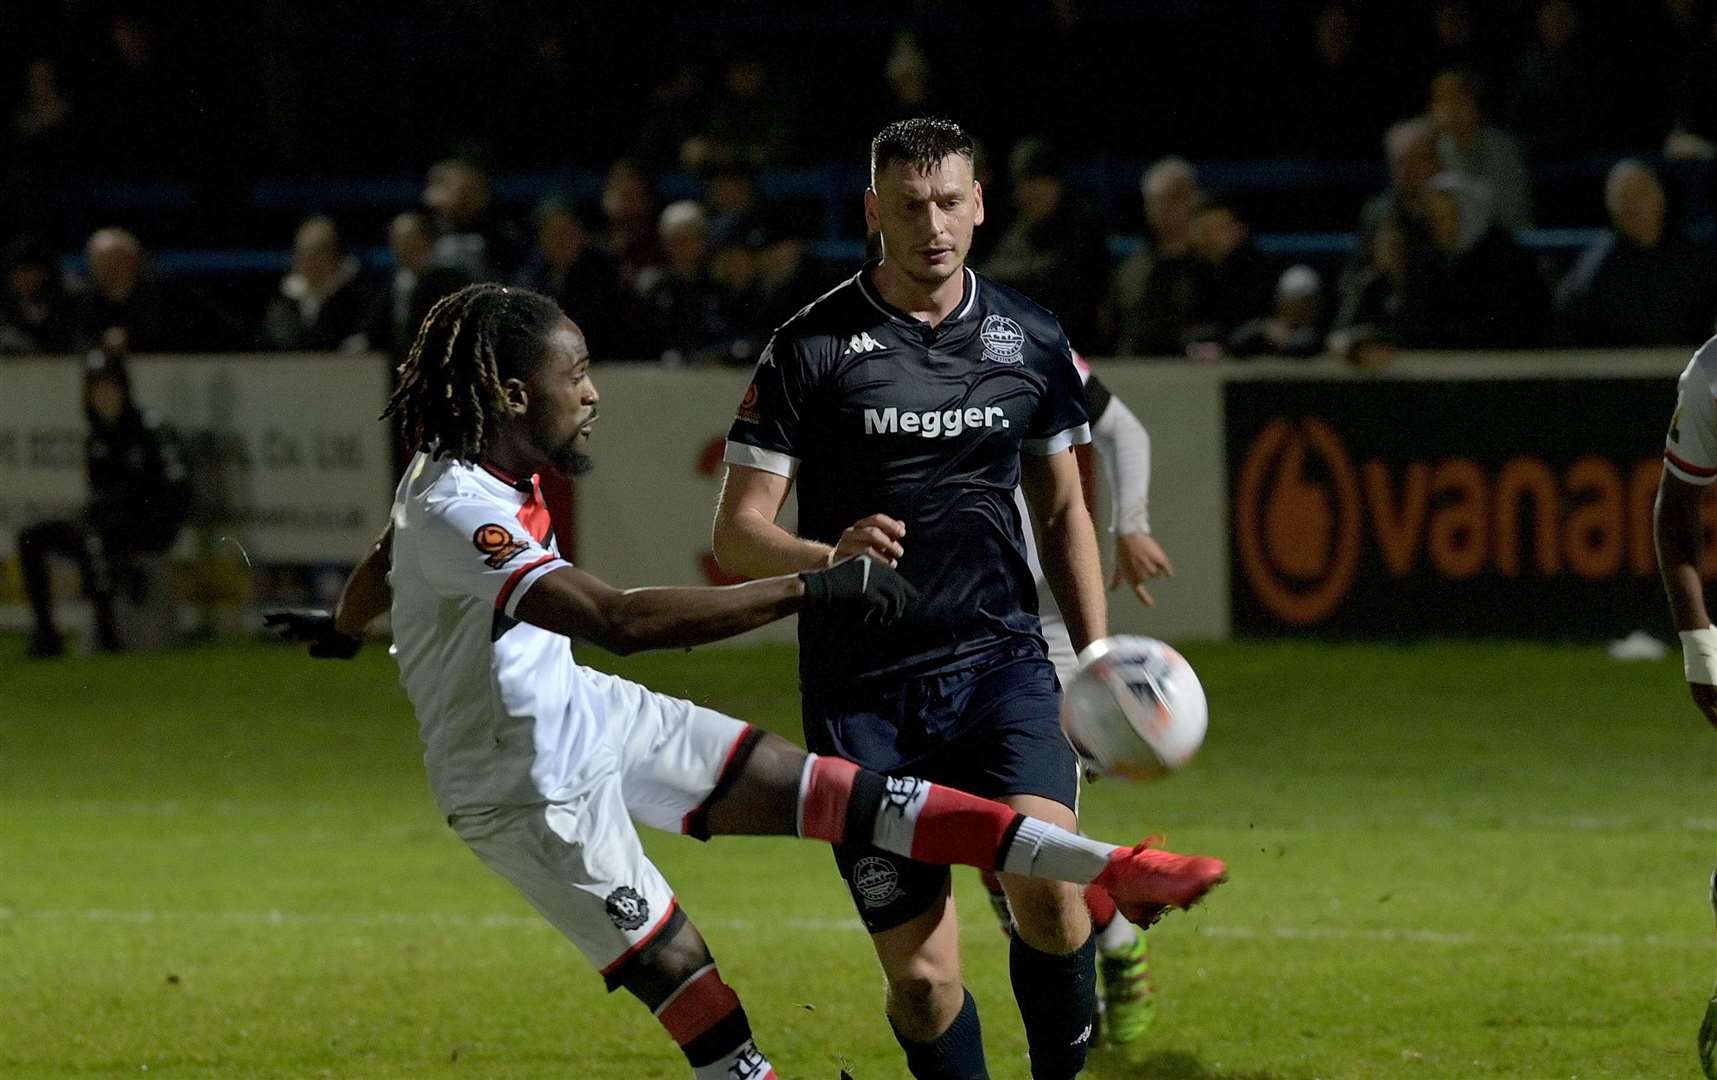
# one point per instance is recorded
(748, 545)
(660, 618)
(746, 540)
(366, 594)
(1068, 546)
(1676, 525)
(572, 602)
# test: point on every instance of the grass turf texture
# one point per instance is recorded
(1448, 861)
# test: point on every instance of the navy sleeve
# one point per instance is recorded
(1061, 420)
(767, 431)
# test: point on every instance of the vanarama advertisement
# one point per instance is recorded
(1413, 508)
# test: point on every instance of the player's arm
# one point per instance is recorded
(1124, 451)
(1068, 544)
(1689, 466)
(749, 542)
(571, 602)
(339, 634)
(1679, 533)
(366, 595)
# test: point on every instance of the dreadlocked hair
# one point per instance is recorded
(450, 397)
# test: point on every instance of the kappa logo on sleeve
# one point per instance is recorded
(498, 543)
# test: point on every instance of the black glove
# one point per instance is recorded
(880, 592)
(315, 626)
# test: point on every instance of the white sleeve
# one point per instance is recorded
(1124, 448)
(1690, 449)
(471, 548)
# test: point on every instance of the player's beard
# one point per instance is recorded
(563, 455)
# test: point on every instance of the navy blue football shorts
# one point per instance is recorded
(992, 729)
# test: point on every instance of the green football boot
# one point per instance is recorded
(1129, 999)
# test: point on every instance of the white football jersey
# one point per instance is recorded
(506, 716)
(1690, 448)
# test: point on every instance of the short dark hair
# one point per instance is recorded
(450, 398)
(921, 142)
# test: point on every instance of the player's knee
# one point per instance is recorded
(923, 983)
(655, 976)
(1051, 915)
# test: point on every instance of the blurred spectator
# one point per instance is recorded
(730, 194)
(1295, 326)
(1372, 275)
(678, 110)
(324, 302)
(1557, 98)
(1334, 115)
(736, 336)
(414, 286)
(139, 498)
(758, 122)
(682, 308)
(1641, 284)
(1467, 144)
(1475, 288)
(911, 86)
(469, 235)
(1055, 251)
(570, 267)
(136, 107)
(1232, 281)
(1366, 324)
(786, 278)
(1693, 98)
(42, 125)
(628, 206)
(1411, 147)
(120, 296)
(1454, 37)
(34, 315)
(1151, 295)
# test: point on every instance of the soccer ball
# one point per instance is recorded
(1134, 708)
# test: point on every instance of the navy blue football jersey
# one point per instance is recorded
(871, 411)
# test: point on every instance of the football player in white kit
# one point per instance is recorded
(1127, 1003)
(542, 765)
(1689, 467)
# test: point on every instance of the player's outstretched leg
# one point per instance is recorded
(840, 803)
(834, 800)
(678, 981)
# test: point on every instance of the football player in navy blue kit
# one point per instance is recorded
(907, 404)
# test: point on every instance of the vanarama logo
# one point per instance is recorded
(1308, 520)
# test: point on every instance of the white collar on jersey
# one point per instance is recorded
(870, 293)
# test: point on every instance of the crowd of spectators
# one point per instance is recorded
(702, 277)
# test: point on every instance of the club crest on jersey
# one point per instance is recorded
(627, 908)
(1004, 341)
(877, 881)
(498, 543)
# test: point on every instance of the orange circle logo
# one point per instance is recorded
(1297, 519)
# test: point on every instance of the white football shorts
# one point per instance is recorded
(579, 861)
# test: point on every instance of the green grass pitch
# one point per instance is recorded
(1450, 861)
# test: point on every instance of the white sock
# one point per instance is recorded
(745, 1063)
(1042, 850)
(1117, 937)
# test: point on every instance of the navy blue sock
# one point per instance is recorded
(957, 1053)
(1057, 998)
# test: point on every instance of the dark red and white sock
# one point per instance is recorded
(705, 1018)
(840, 802)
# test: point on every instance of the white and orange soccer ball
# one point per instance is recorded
(1134, 708)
